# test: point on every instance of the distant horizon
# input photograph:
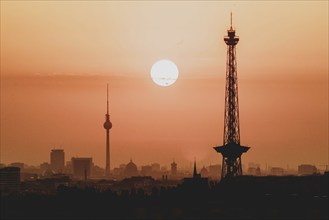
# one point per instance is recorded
(262, 166)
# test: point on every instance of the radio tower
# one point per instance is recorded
(231, 149)
(107, 126)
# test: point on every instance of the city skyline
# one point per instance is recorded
(58, 99)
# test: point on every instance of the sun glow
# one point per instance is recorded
(164, 73)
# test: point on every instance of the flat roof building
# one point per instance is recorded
(82, 166)
(57, 160)
(307, 169)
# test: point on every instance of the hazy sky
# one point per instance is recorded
(57, 56)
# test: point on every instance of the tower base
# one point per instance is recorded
(231, 165)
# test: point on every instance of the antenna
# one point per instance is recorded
(107, 97)
(231, 19)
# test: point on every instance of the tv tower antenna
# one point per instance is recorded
(231, 149)
(107, 126)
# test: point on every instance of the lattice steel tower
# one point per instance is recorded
(231, 148)
(107, 125)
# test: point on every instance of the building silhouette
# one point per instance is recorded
(48, 173)
(131, 169)
(146, 170)
(82, 166)
(173, 169)
(215, 170)
(196, 181)
(307, 169)
(146, 183)
(231, 149)
(254, 171)
(10, 179)
(277, 171)
(155, 167)
(44, 166)
(204, 172)
(57, 160)
(107, 125)
(20, 165)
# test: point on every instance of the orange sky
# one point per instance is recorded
(56, 58)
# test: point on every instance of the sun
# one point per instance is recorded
(164, 73)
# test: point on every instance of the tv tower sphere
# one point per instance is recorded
(107, 125)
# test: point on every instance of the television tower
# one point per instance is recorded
(231, 149)
(107, 126)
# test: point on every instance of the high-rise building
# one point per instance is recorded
(57, 160)
(174, 168)
(231, 149)
(82, 166)
(107, 125)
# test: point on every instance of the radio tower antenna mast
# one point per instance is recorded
(231, 149)
(231, 20)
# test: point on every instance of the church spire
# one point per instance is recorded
(194, 171)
